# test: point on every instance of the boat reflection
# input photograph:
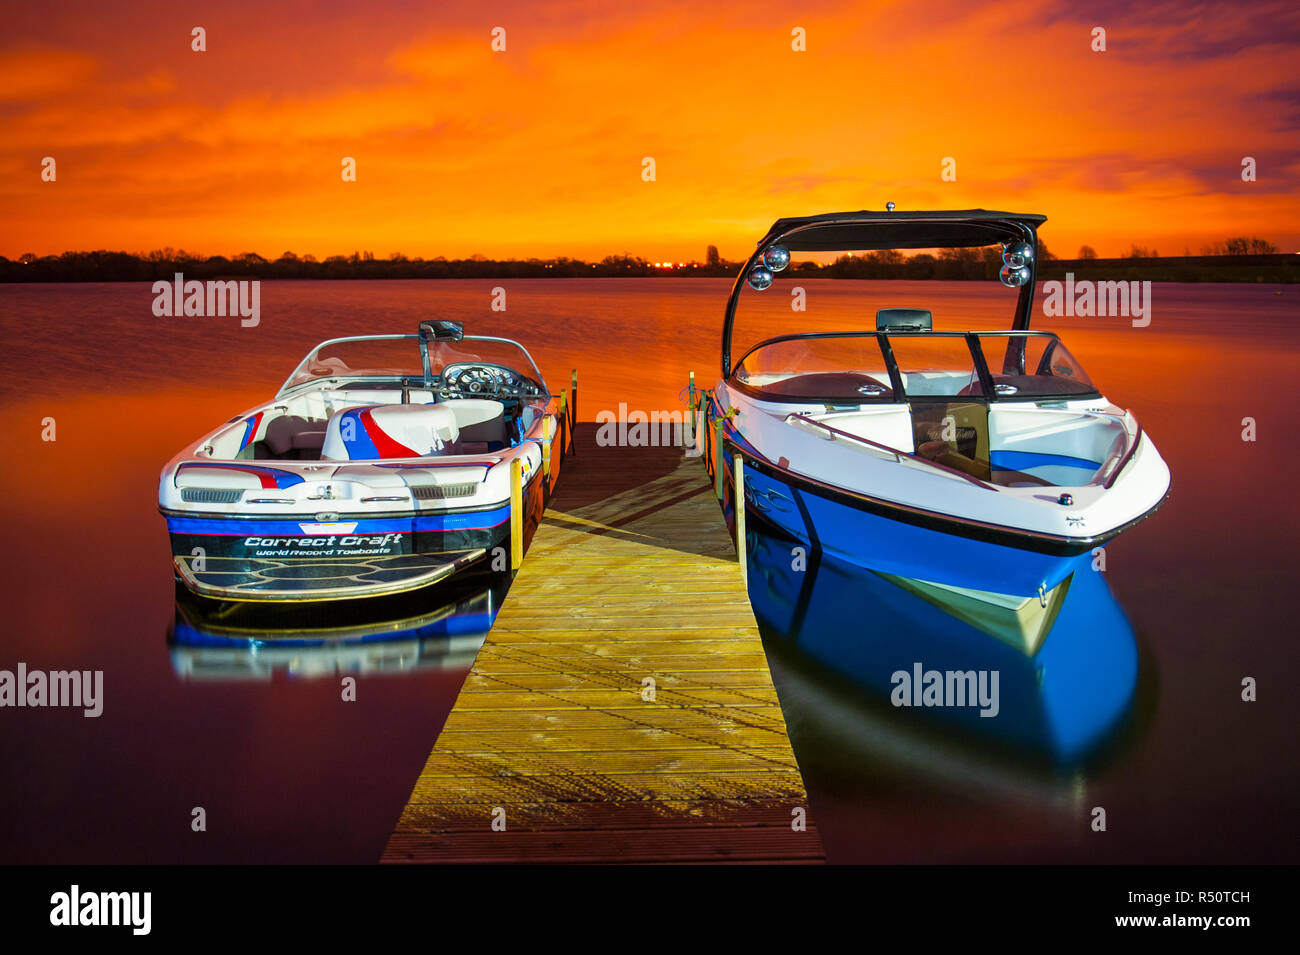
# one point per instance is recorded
(249, 642)
(1050, 681)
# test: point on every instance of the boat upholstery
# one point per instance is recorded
(1034, 385)
(480, 421)
(374, 432)
(847, 385)
(289, 434)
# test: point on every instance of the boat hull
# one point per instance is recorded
(890, 538)
(338, 557)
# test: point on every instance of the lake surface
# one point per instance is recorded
(287, 771)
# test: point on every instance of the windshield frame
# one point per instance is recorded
(430, 379)
(899, 394)
(941, 230)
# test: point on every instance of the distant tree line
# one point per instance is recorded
(1242, 245)
(1224, 260)
(104, 266)
(949, 264)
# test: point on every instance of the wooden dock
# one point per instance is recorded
(559, 737)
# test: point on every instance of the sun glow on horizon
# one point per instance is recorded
(538, 150)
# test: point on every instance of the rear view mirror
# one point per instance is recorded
(904, 320)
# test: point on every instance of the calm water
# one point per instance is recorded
(288, 771)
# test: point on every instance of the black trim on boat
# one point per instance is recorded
(1036, 541)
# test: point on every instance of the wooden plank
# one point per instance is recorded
(771, 781)
(700, 722)
(527, 698)
(663, 814)
(543, 678)
(628, 737)
(631, 575)
(605, 763)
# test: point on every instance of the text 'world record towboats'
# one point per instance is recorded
(985, 461)
(382, 465)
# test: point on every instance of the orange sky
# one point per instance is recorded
(537, 150)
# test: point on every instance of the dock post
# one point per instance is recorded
(688, 438)
(717, 457)
(706, 435)
(566, 433)
(573, 408)
(738, 465)
(548, 433)
(516, 513)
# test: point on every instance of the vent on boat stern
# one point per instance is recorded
(211, 495)
(440, 492)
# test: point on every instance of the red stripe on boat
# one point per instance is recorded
(386, 446)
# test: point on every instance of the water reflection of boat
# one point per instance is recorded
(1064, 675)
(860, 745)
(247, 642)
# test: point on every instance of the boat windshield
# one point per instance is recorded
(904, 366)
(1032, 365)
(400, 356)
(845, 367)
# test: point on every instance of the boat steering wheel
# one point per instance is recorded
(468, 380)
(478, 380)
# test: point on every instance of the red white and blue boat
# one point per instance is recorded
(382, 465)
(983, 462)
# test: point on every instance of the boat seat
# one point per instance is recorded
(1032, 385)
(480, 421)
(289, 434)
(836, 385)
(376, 432)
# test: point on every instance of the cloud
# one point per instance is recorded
(35, 73)
(538, 150)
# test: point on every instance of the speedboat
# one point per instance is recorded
(983, 462)
(382, 465)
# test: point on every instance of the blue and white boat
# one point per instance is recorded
(982, 461)
(382, 465)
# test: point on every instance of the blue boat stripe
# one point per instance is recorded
(237, 527)
(358, 443)
(466, 520)
(1024, 460)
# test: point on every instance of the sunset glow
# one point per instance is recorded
(538, 150)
